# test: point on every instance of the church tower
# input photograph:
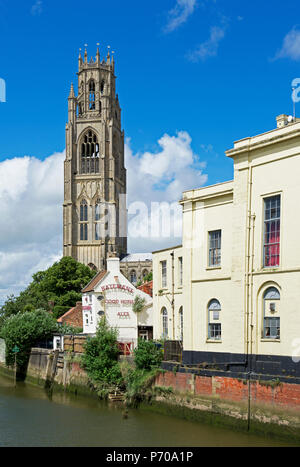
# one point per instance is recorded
(94, 209)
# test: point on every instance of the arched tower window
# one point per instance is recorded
(92, 95)
(89, 153)
(97, 218)
(102, 86)
(83, 220)
(214, 323)
(271, 305)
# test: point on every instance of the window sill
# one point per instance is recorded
(212, 268)
(211, 341)
(265, 339)
(270, 268)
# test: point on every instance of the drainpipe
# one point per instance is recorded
(249, 287)
(173, 301)
(247, 259)
(253, 217)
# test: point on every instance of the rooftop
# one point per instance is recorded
(136, 257)
(92, 284)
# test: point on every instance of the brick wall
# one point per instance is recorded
(273, 393)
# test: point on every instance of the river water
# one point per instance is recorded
(30, 418)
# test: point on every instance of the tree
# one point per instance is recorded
(100, 358)
(58, 286)
(24, 330)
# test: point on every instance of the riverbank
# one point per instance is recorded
(177, 394)
(31, 417)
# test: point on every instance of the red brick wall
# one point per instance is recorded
(232, 389)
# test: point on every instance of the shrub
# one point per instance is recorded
(24, 330)
(100, 358)
(138, 304)
(147, 355)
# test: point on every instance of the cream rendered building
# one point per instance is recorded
(167, 293)
(241, 260)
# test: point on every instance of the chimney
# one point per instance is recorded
(113, 264)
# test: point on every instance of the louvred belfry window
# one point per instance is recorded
(92, 95)
(89, 153)
(272, 231)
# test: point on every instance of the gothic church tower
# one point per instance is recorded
(94, 209)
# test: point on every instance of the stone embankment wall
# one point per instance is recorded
(55, 367)
(266, 402)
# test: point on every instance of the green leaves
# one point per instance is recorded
(100, 358)
(147, 355)
(138, 304)
(24, 330)
(60, 285)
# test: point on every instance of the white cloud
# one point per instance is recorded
(161, 177)
(31, 198)
(291, 46)
(182, 10)
(210, 47)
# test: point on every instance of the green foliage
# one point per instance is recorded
(100, 358)
(138, 304)
(24, 330)
(147, 355)
(140, 377)
(139, 384)
(58, 286)
(60, 310)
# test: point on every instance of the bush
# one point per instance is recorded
(100, 358)
(24, 330)
(147, 355)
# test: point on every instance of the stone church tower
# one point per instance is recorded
(94, 209)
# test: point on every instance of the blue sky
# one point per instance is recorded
(193, 76)
(233, 94)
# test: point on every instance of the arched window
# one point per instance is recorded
(89, 153)
(83, 211)
(133, 278)
(83, 220)
(214, 324)
(92, 95)
(271, 311)
(102, 86)
(181, 323)
(97, 218)
(164, 316)
(145, 274)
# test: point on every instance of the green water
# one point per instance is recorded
(28, 417)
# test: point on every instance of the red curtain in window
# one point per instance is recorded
(272, 246)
